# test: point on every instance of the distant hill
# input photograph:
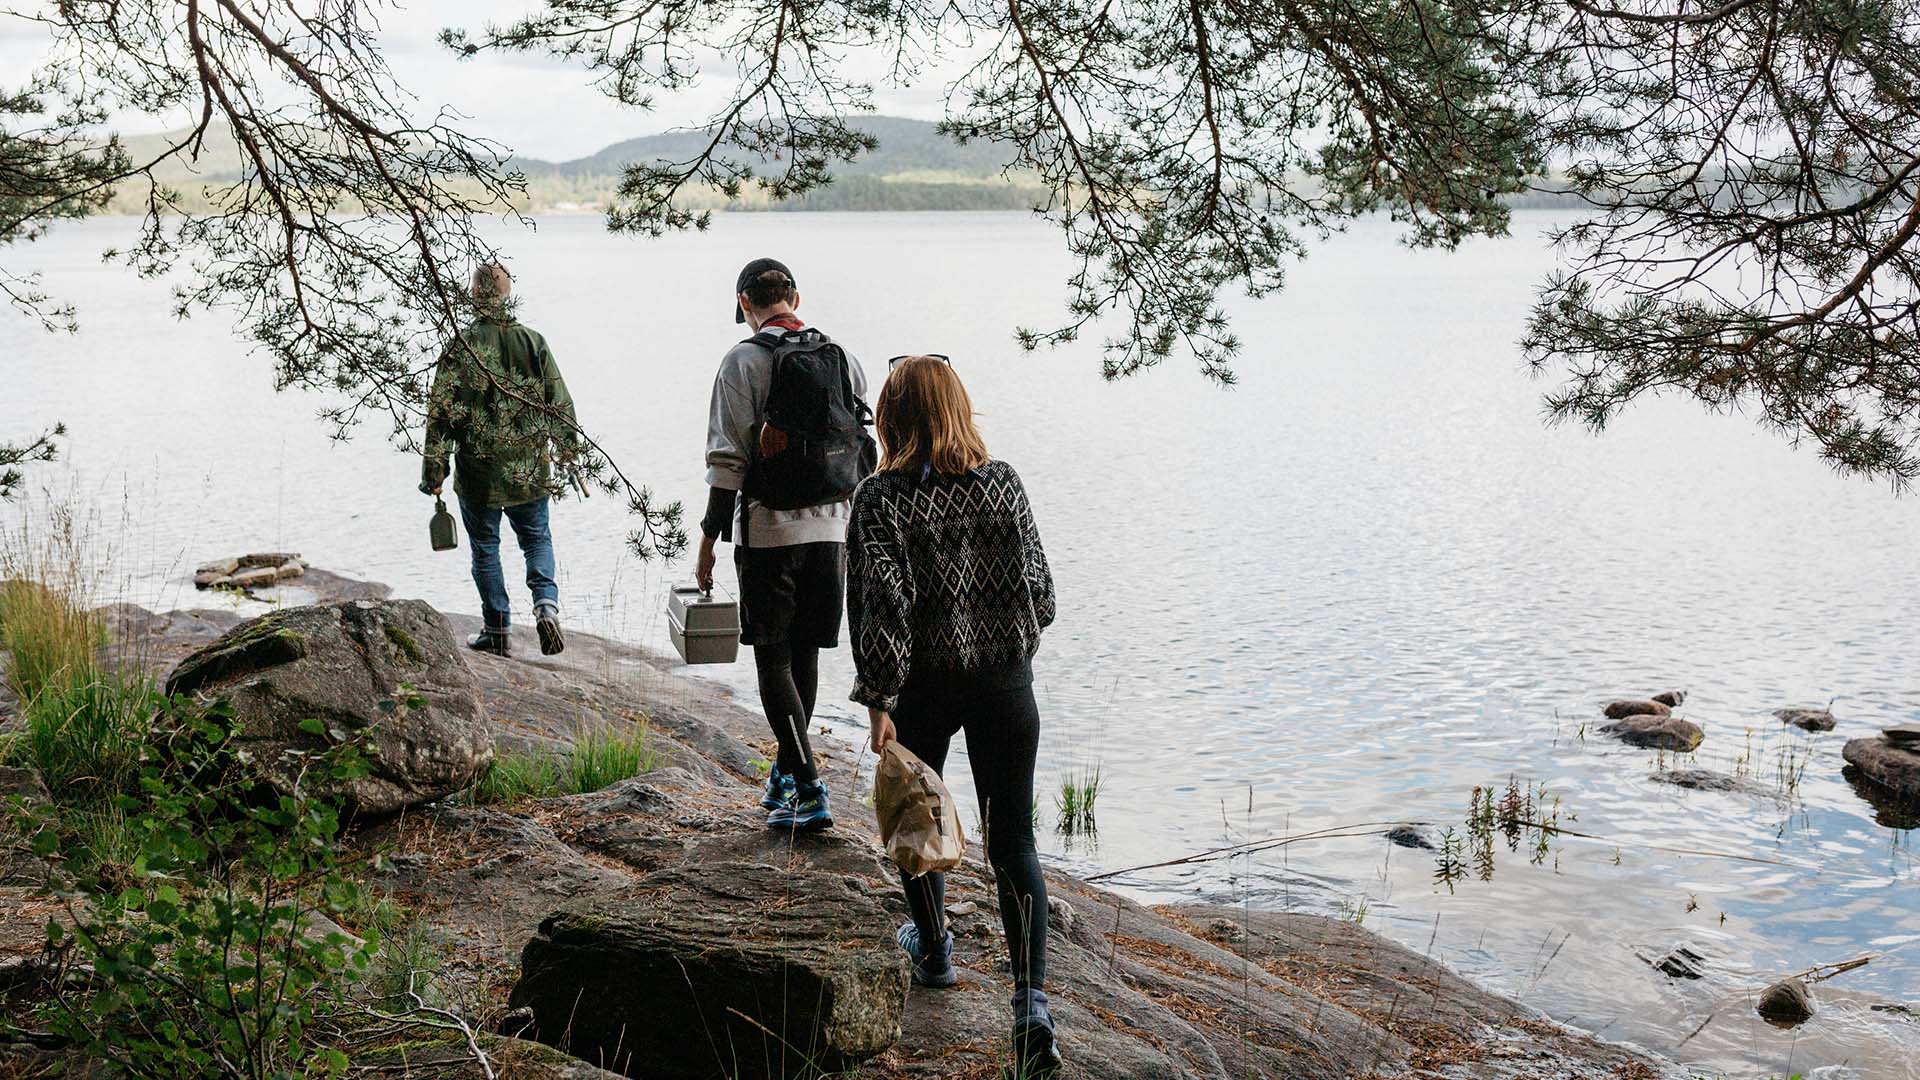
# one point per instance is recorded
(906, 147)
(914, 168)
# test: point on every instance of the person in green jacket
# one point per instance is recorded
(498, 400)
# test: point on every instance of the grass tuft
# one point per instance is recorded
(597, 760)
(1079, 792)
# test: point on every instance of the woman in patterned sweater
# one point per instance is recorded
(947, 592)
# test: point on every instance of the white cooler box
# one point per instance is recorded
(705, 629)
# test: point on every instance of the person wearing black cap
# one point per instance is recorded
(781, 492)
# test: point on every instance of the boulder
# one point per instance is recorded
(1785, 1004)
(1891, 765)
(717, 970)
(385, 674)
(1657, 732)
(1806, 719)
(1620, 710)
(1671, 698)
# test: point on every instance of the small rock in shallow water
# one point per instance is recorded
(1620, 710)
(1806, 719)
(1785, 1004)
(1671, 699)
(1699, 780)
(1657, 732)
(1682, 963)
(1413, 836)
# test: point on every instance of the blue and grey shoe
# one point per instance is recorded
(779, 789)
(931, 966)
(806, 810)
(1036, 1053)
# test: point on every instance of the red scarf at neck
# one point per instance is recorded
(786, 320)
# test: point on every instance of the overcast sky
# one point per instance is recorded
(539, 108)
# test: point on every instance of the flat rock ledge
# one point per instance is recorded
(246, 572)
(1888, 764)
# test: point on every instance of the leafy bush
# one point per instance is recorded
(210, 963)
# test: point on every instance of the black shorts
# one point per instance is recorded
(794, 593)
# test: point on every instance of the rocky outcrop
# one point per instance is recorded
(1620, 710)
(1657, 732)
(1141, 993)
(1806, 719)
(385, 675)
(1893, 766)
(718, 970)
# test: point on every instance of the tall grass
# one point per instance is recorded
(50, 636)
(83, 723)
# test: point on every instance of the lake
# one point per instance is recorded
(1349, 590)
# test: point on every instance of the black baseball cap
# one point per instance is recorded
(753, 270)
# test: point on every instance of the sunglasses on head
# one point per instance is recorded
(942, 357)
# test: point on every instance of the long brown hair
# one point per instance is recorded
(924, 417)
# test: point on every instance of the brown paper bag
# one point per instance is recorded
(918, 825)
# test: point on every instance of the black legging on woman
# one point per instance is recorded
(1002, 722)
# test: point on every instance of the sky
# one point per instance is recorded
(538, 107)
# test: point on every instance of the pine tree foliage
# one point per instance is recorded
(1754, 170)
(1751, 168)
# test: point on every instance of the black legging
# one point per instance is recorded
(1003, 736)
(789, 679)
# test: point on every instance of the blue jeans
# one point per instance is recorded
(529, 521)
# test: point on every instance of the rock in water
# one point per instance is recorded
(1671, 699)
(1806, 719)
(385, 673)
(1785, 1004)
(1682, 963)
(1620, 710)
(1419, 837)
(719, 970)
(1889, 764)
(1660, 732)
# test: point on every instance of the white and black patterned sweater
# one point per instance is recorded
(944, 573)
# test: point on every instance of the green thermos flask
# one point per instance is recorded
(444, 537)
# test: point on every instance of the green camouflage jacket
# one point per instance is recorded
(498, 400)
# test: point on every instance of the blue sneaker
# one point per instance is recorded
(1036, 1053)
(806, 810)
(779, 789)
(931, 966)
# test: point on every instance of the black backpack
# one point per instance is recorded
(813, 446)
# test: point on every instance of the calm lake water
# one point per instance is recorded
(1349, 590)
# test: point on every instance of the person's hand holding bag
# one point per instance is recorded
(880, 729)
